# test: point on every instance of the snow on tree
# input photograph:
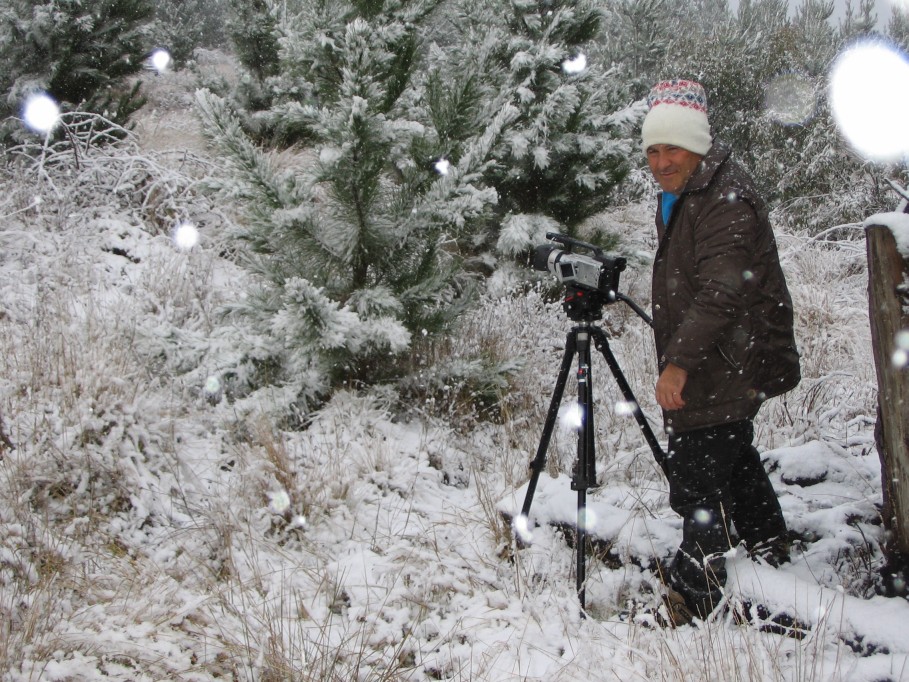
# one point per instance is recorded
(252, 27)
(898, 26)
(802, 159)
(858, 21)
(409, 161)
(183, 25)
(569, 146)
(79, 52)
(636, 38)
(349, 241)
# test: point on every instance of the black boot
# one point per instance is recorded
(700, 584)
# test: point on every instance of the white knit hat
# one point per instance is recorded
(677, 116)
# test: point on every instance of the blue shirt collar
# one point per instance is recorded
(667, 203)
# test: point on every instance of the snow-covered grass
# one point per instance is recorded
(152, 529)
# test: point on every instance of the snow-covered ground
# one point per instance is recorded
(151, 529)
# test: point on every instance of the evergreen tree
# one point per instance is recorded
(636, 38)
(77, 51)
(898, 26)
(816, 38)
(858, 21)
(411, 157)
(568, 142)
(183, 25)
(734, 57)
(570, 146)
(815, 177)
(820, 183)
(349, 245)
(253, 28)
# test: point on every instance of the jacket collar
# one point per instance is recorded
(716, 156)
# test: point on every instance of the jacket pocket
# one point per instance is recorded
(728, 358)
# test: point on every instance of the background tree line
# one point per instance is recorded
(88, 53)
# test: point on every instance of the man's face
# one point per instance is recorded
(671, 166)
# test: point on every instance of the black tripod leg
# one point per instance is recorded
(539, 462)
(585, 475)
(585, 468)
(602, 344)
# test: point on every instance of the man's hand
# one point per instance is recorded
(669, 387)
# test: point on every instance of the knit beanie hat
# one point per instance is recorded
(677, 116)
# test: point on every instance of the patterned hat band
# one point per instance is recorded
(681, 92)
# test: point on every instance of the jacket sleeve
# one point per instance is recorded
(725, 236)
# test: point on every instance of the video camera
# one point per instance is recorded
(592, 280)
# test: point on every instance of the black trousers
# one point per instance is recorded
(719, 487)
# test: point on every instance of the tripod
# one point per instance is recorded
(585, 307)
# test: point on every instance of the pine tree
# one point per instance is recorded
(635, 39)
(734, 57)
(184, 25)
(349, 244)
(898, 26)
(817, 39)
(564, 127)
(804, 162)
(79, 52)
(253, 30)
(570, 142)
(858, 21)
(766, 77)
(413, 161)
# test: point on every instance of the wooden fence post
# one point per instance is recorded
(888, 308)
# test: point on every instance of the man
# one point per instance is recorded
(723, 328)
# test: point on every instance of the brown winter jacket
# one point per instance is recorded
(721, 308)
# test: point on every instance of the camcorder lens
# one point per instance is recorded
(541, 256)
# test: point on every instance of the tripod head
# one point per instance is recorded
(584, 305)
